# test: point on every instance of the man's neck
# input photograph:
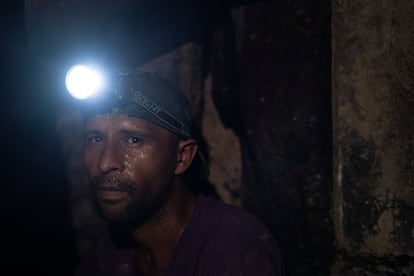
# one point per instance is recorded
(161, 236)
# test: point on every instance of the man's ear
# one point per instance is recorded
(187, 150)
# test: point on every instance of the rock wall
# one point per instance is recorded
(271, 85)
(373, 103)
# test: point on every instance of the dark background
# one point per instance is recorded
(35, 212)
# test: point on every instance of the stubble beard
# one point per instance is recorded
(136, 210)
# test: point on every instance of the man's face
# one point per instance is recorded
(131, 165)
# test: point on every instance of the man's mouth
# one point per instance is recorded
(104, 187)
(111, 185)
(110, 196)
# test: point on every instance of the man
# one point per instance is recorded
(142, 160)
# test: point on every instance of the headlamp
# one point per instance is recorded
(138, 94)
(82, 82)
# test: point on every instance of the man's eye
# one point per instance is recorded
(134, 140)
(94, 139)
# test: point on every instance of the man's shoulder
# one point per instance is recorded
(228, 237)
(225, 217)
(222, 227)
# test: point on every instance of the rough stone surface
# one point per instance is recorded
(373, 100)
(224, 151)
(271, 76)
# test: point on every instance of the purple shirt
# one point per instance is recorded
(219, 239)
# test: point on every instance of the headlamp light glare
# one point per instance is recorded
(82, 82)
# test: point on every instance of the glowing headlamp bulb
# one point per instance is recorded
(83, 82)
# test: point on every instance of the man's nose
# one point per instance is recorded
(110, 160)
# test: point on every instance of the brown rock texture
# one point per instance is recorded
(373, 103)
